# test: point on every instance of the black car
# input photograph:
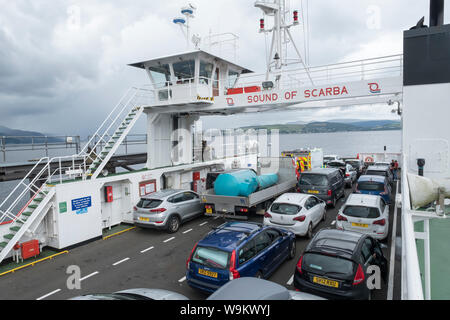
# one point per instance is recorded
(335, 263)
(325, 183)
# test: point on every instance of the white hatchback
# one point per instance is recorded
(296, 212)
(364, 213)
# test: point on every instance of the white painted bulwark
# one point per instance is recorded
(75, 226)
(426, 128)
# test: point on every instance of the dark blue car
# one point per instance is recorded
(374, 185)
(238, 249)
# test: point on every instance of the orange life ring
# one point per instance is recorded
(368, 159)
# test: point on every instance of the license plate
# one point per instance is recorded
(144, 219)
(326, 282)
(313, 191)
(207, 273)
(360, 225)
(209, 211)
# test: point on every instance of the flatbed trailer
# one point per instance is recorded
(238, 207)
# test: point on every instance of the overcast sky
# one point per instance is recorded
(63, 64)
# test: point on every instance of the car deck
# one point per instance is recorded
(146, 258)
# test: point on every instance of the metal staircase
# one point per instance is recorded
(114, 142)
(20, 214)
(28, 218)
(114, 129)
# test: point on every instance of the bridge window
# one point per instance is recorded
(160, 75)
(232, 78)
(184, 71)
(205, 72)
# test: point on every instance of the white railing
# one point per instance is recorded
(367, 69)
(411, 276)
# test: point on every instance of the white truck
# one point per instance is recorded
(238, 207)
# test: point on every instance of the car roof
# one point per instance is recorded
(162, 194)
(378, 168)
(251, 289)
(366, 200)
(340, 242)
(155, 294)
(323, 171)
(379, 179)
(229, 235)
(292, 197)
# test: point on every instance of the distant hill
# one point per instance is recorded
(323, 127)
(21, 136)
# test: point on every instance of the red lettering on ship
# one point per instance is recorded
(325, 92)
(262, 98)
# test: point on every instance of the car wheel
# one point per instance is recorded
(292, 251)
(310, 231)
(173, 224)
(259, 275)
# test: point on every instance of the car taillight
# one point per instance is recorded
(158, 210)
(135, 208)
(267, 215)
(208, 206)
(359, 277)
(234, 274)
(299, 190)
(347, 174)
(299, 264)
(190, 256)
(329, 193)
(301, 218)
(341, 218)
(381, 222)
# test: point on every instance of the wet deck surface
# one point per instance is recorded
(144, 258)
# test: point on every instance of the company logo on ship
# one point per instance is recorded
(374, 88)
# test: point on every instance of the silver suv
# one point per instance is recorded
(167, 209)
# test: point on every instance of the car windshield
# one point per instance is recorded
(354, 164)
(336, 164)
(148, 203)
(376, 173)
(313, 180)
(362, 212)
(370, 186)
(211, 257)
(327, 265)
(285, 208)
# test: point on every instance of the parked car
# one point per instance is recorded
(134, 294)
(350, 174)
(366, 214)
(238, 249)
(330, 157)
(380, 171)
(382, 164)
(167, 209)
(325, 183)
(357, 164)
(296, 212)
(334, 265)
(257, 289)
(375, 185)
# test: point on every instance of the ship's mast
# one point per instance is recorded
(281, 34)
